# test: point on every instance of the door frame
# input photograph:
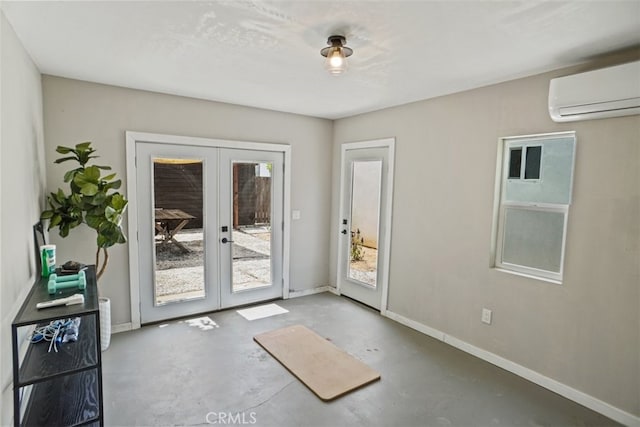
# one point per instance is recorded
(133, 137)
(389, 144)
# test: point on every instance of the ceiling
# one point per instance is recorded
(266, 53)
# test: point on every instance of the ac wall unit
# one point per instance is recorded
(608, 92)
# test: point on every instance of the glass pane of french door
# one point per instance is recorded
(251, 225)
(179, 230)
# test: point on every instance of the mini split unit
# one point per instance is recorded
(608, 92)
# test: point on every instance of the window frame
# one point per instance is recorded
(505, 146)
(523, 147)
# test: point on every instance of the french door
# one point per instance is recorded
(251, 201)
(365, 221)
(209, 225)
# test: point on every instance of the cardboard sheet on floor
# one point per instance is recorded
(326, 369)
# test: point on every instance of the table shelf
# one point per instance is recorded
(39, 363)
(61, 388)
(68, 400)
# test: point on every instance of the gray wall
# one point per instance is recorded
(583, 333)
(22, 189)
(75, 111)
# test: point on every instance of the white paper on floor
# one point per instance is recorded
(204, 323)
(261, 311)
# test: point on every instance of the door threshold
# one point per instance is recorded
(191, 316)
(360, 303)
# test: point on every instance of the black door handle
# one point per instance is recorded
(344, 231)
(225, 240)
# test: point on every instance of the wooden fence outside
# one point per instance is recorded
(263, 200)
(251, 196)
(179, 186)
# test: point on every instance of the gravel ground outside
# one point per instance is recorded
(180, 274)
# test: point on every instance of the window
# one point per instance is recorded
(532, 156)
(515, 163)
(533, 194)
(532, 162)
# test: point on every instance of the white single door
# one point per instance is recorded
(365, 222)
(251, 218)
(205, 235)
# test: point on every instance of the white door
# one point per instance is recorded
(251, 184)
(188, 260)
(365, 221)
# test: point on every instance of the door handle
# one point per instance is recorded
(225, 240)
(344, 231)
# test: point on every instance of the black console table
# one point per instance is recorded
(61, 388)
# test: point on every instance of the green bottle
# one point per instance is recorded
(44, 259)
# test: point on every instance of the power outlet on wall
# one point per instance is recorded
(486, 316)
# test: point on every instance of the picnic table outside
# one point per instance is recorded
(169, 222)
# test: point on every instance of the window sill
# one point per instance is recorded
(530, 276)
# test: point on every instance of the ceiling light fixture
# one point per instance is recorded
(336, 54)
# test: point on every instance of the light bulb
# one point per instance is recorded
(336, 62)
(336, 59)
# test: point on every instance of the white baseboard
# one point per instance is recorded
(121, 327)
(564, 390)
(305, 292)
(434, 333)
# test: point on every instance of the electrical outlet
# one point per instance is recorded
(295, 214)
(486, 316)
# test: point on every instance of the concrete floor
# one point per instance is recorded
(176, 374)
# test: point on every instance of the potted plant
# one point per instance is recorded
(91, 200)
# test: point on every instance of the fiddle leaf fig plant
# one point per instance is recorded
(91, 200)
